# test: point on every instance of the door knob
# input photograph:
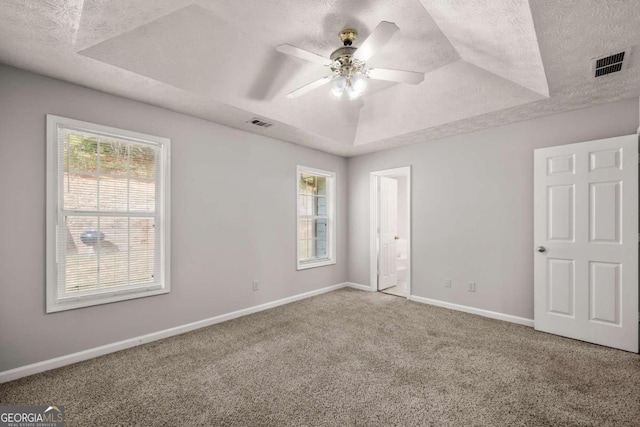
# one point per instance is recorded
(541, 249)
(396, 238)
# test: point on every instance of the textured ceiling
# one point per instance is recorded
(486, 63)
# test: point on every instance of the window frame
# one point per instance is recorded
(54, 207)
(331, 218)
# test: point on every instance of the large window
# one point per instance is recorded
(107, 214)
(316, 217)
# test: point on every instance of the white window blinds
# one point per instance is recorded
(110, 214)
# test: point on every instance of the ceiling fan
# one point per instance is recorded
(348, 64)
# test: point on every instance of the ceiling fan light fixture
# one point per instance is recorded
(359, 83)
(354, 86)
(338, 86)
(352, 93)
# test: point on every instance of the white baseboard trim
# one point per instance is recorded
(473, 310)
(358, 286)
(46, 365)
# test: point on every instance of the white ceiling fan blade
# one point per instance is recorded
(309, 87)
(378, 38)
(287, 49)
(410, 77)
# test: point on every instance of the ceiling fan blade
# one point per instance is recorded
(410, 77)
(309, 87)
(287, 49)
(378, 38)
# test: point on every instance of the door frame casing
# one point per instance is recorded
(374, 217)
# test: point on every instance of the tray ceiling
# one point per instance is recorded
(486, 63)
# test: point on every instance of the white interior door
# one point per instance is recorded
(388, 270)
(586, 233)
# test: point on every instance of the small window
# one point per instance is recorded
(107, 214)
(316, 217)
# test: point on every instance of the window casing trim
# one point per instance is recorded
(331, 219)
(54, 303)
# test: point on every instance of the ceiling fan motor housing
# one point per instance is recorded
(343, 63)
(342, 52)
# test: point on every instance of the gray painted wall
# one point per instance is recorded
(233, 215)
(472, 205)
(233, 221)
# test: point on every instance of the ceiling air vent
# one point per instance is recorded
(610, 63)
(256, 121)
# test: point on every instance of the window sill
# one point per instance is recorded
(73, 303)
(314, 264)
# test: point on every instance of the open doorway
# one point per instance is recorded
(391, 231)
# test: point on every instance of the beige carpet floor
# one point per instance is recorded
(348, 358)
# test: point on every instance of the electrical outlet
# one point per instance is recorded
(447, 283)
(472, 287)
(255, 285)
